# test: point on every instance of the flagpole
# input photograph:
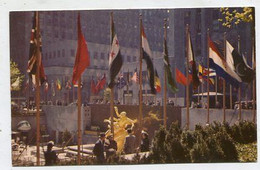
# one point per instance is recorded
(141, 78)
(79, 120)
(254, 80)
(38, 61)
(187, 84)
(208, 79)
(239, 89)
(224, 83)
(231, 94)
(165, 80)
(216, 89)
(175, 95)
(28, 100)
(198, 91)
(112, 89)
(73, 95)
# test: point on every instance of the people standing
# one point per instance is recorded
(110, 146)
(144, 147)
(98, 149)
(50, 155)
(130, 142)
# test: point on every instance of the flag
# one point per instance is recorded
(221, 67)
(46, 88)
(192, 65)
(157, 82)
(68, 85)
(115, 61)
(147, 57)
(15, 84)
(101, 83)
(58, 84)
(180, 77)
(239, 64)
(82, 57)
(93, 86)
(32, 65)
(203, 74)
(77, 85)
(135, 77)
(170, 80)
(121, 82)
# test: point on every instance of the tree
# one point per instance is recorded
(236, 16)
(16, 75)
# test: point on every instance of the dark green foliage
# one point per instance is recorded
(244, 132)
(212, 143)
(159, 151)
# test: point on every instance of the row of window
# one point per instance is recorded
(54, 54)
(96, 55)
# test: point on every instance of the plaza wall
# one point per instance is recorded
(199, 116)
(61, 118)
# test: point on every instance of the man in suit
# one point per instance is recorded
(130, 142)
(98, 149)
(50, 155)
(110, 146)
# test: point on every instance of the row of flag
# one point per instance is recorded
(234, 69)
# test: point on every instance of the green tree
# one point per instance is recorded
(232, 17)
(15, 74)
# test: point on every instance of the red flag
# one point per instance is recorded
(82, 57)
(101, 83)
(93, 86)
(181, 78)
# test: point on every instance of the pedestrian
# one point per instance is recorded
(50, 155)
(144, 147)
(110, 146)
(98, 149)
(130, 142)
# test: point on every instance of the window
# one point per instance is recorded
(128, 58)
(72, 53)
(58, 53)
(50, 56)
(134, 58)
(54, 54)
(63, 53)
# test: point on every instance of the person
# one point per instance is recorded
(50, 155)
(98, 149)
(130, 142)
(144, 147)
(110, 146)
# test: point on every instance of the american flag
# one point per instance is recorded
(32, 65)
(121, 82)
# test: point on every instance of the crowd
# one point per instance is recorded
(106, 147)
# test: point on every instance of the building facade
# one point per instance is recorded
(59, 39)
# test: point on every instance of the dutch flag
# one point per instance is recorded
(218, 63)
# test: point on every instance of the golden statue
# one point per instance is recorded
(120, 125)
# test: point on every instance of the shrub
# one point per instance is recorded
(244, 132)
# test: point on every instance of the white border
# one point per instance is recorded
(28, 5)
